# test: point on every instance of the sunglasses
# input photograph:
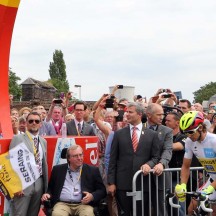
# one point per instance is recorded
(190, 132)
(33, 120)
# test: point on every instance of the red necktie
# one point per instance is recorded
(134, 138)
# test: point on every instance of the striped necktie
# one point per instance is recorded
(134, 139)
(37, 155)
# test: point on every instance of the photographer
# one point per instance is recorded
(107, 96)
(167, 97)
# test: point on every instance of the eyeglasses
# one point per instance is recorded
(30, 121)
(190, 132)
(77, 155)
(79, 110)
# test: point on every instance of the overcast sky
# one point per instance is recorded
(148, 44)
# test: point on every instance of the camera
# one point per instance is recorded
(120, 86)
(167, 96)
(58, 101)
(109, 103)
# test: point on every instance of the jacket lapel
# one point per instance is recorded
(141, 139)
(42, 146)
(84, 128)
(73, 128)
(83, 178)
(28, 142)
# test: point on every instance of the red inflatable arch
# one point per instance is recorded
(8, 11)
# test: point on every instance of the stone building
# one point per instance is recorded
(35, 90)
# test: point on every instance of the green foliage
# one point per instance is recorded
(60, 85)
(14, 88)
(205, 92)
(57, 71)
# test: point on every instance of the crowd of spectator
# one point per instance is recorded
(113, 120)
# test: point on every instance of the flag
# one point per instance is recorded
(18, 170)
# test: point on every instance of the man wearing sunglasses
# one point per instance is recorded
(201, 143)
(27, 202)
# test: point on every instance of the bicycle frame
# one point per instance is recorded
(201, 206)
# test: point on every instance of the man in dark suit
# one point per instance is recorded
(77, 126)
(27, 202)
(126, 158)
(74, 188)
(155, 115)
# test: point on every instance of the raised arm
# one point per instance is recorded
(97, 118)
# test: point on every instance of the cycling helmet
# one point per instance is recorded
(191, 120)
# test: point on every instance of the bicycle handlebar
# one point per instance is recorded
(203, 200)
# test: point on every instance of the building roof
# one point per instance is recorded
(31, 81)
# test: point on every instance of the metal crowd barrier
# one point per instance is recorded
(138, 195)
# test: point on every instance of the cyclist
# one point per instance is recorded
(203, 145)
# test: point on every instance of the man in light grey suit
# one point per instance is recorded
(27, 202)
(77, 126)
(155, 115)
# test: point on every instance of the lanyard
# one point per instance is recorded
(71, 177)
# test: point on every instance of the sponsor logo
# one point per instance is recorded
(209, 153)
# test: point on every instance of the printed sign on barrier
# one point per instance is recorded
(60, 145)
(18, 170)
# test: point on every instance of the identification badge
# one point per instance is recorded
(76, 192)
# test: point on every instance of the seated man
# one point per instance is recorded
(74, 188)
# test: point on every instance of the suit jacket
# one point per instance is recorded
(165, 135)
(23, 138)
(47, 129)
(87, 130)
(91, 182)
(124, 162)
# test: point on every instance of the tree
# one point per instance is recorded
(57, 71)
(205, 92)
(14, 88)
